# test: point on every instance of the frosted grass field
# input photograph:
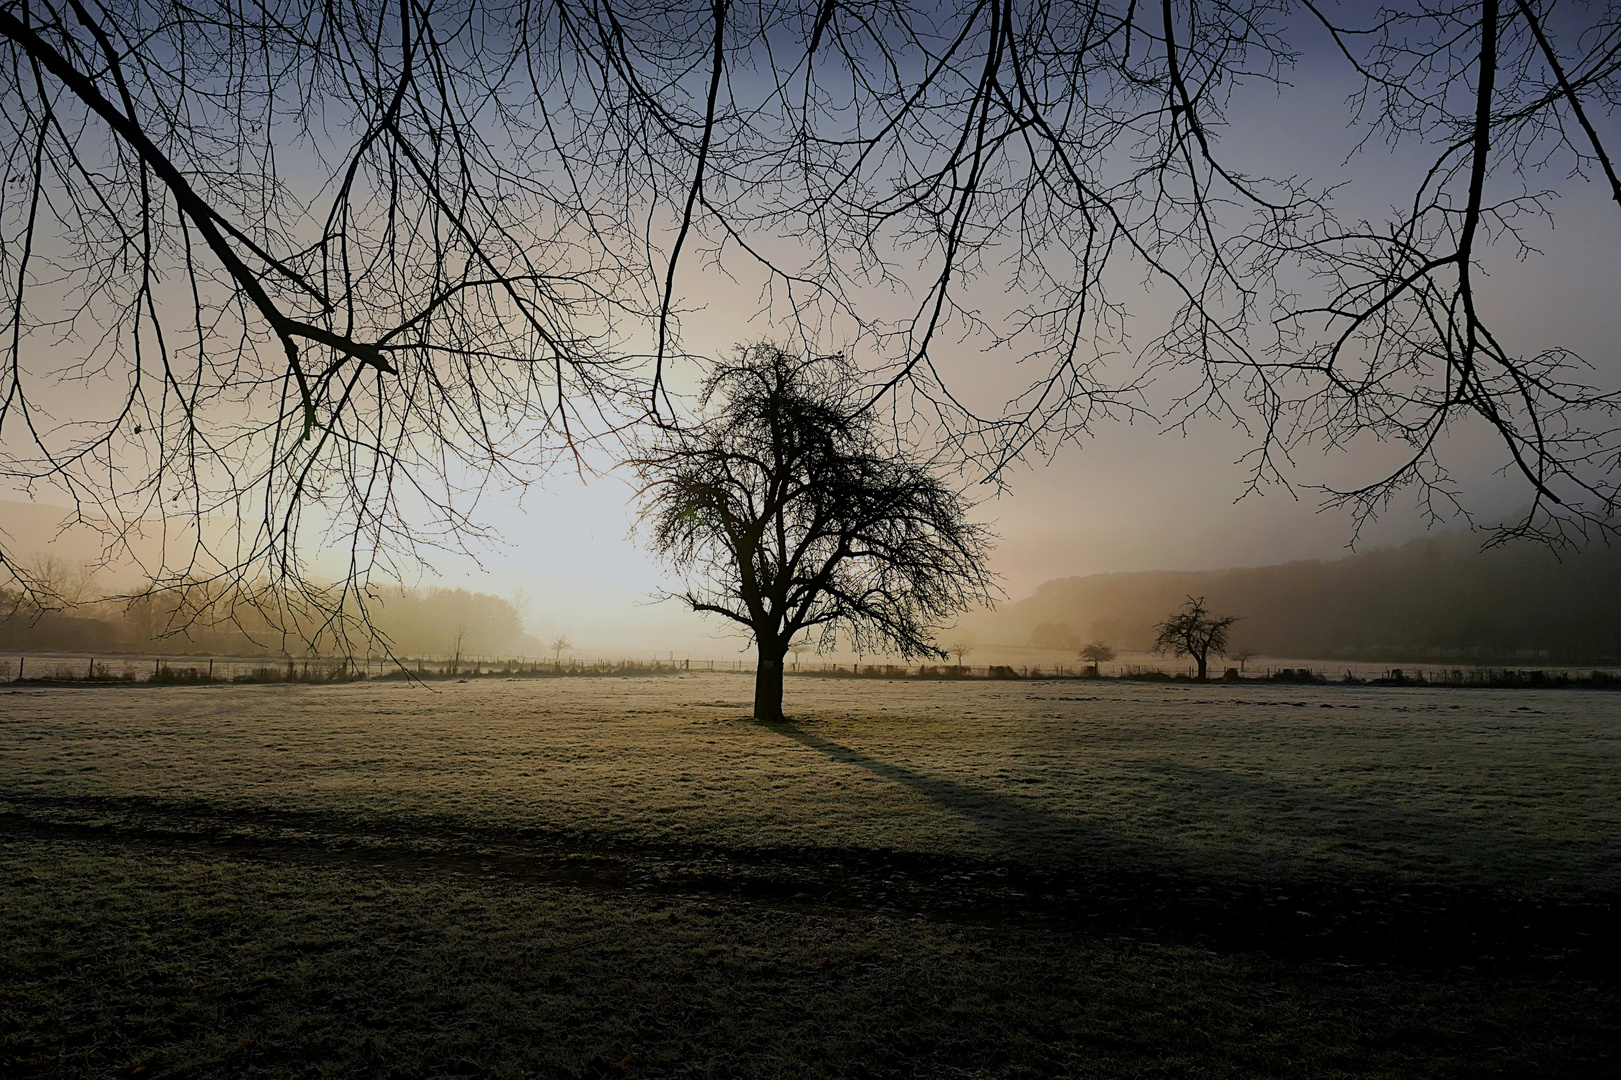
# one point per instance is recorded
(628, 877)
(1511, 788)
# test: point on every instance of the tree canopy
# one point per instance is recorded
(787, 510)
(1097, 652)
(337, 264)
(1194, 631)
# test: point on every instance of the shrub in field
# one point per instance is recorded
(1097, 652)
(168, 675)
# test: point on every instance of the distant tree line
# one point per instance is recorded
(1431, 599)
(408, 622)
(328, 270)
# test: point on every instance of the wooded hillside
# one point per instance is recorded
(410, 622)
(1431, 599)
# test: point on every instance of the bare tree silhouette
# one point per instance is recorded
(340, 263)
(799, 648)
(1097, 652)
(458, 638)
(1043, 150)
(786, 509)
(288, 242)
(62, 582)
(1194, 631)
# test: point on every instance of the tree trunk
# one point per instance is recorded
(768, 684)
(1202, 658)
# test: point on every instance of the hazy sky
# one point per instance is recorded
(1134, 497)
(1130, 497)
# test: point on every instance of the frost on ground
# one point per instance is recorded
(629, 877)
(1508, 788)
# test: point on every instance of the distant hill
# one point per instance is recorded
(425, 621)
(1437, 598)
(416, 622)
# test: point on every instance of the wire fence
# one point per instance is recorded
(84, 668)
(1392, 676)
(70, 668)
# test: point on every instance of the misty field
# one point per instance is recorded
(613, 877)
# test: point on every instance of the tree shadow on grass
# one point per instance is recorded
(1020, 824)
(1109, 879)
(1259, 815)
(1383, 834)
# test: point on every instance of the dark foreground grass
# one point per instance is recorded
(178, 954)
(978, 883)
